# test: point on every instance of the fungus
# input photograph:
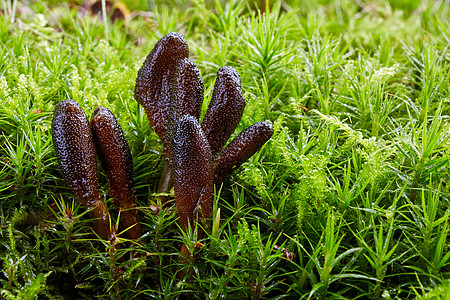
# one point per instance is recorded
(187, 98)
(247, 143)
(155, 79)
(195, 146)
(225, 109)
(167, 74)
(75, 151)
(193, 171)
(170, 89)
(115, 156)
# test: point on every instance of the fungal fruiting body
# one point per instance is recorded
(187, 98)
(247, 143)
(225, 109)
(154, 91)
(170, 89)
(75, 151)
(193, 172)
(115, 156)
(155, 79)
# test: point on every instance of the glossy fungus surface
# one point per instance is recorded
(113, 152)
(247, 143)
(188, 89)
(74, 148)
(193, 171)
(155, 79)
(225, 109)
(75, 151)
(115, 156)
(187, 97)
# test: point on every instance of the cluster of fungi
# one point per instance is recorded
(170, 89)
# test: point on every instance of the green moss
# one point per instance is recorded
(348, 199)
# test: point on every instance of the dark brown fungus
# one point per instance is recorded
(247, 143)
(225, 109)
(187, 98)
(193, 171)
(155, 79)
(154, 91)
(75, 151)
(115, 156)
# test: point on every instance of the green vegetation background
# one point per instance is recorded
(349, 199)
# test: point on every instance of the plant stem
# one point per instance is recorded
(13, 12)
(166, 182)
(415, 184)
(105, 19)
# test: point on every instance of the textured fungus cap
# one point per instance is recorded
(188, 89)
(155, 79)
(74, 148)
(187, 98)
(115, 156)
(247, 143)
(75, 151)
(225, 109)
(193, 170)
(113, 152)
